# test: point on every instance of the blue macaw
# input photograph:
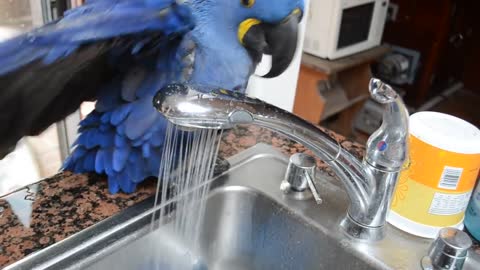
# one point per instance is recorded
(120, 53)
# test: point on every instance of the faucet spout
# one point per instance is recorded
(369, 183)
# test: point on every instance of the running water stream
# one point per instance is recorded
(187, 165)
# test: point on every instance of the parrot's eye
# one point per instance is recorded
(248, 3)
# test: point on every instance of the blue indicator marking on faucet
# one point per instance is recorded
(382, 145)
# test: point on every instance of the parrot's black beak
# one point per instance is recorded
(278, 40)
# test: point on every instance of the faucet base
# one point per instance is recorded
(361, 232)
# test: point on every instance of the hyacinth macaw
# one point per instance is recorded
(120, 53)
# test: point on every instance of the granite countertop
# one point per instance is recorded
(53, 209)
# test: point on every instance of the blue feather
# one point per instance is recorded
(120, 157)
(91, 23)
(96, 137)
(152, 84)
(137, 142)
(120, 114)
(70, 162)
(79, 152)
(58, 53)
(104, 128)
(11, 58)
(136, 171)
(89, 162)
(148, 134)
(113, 184)
(134, 157)
(120, 141)
(131, 83)
(126, 184)
(84, 139)
(141, 118)
(78, 165)
(109, 98)
(100, 161)
(121, 129)
(106, 117)
(108, 162)
(105, 139)
(92, 119)
(146, 150)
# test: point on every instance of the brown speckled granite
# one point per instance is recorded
(61, 206)
(68, 203)
(247, 136)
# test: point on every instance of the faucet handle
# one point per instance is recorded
(299, 177)
(387, 148)
(382, 92)
(313, 189)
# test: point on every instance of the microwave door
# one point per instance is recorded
(355, 25)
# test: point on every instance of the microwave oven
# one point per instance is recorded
(338, 28)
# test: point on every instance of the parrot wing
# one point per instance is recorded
(47, 73)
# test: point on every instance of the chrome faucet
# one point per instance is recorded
(369, 183)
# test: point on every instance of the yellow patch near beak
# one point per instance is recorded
(297, 11)
(245, 26)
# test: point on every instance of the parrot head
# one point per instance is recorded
(258, 26)
(271, 27)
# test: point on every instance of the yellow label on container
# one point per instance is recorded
(437, 185)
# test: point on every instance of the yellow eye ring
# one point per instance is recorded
(248, 3)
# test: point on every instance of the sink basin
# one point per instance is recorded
(242, 229)
(248, 224)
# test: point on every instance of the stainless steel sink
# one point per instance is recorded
(248, 224)
(242, 229)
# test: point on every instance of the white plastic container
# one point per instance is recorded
(434, 191)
